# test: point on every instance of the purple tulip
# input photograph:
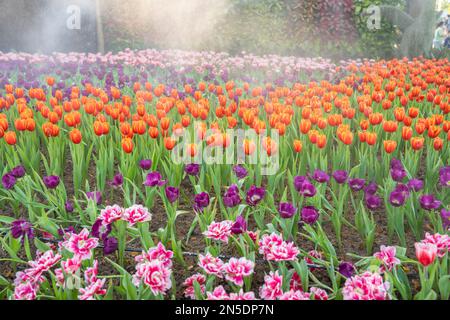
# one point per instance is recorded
(356, 184)
(287, 210)
(154, 179)
(396, 164)
(398, 174)
(172, 194)
(403, 188)
(415, 185)
(397, 198)
(231, 198)
(21, 228)
(201, 201)
(347, 269)
(117, 181)
(145, 164)
(298, 182)
(307, 189)
(101, 230)
(18, 172)
(373, 201)
(340, 176)
(240, 172)
(96, 196)
(69, 206)
(445, 216)
(255, 195)
(321, 176)
(192, 169)
(429, 202)
(444, 176)
(371, 188)
(8, 181)
(110, 244)
(309, 214)
(51, 182)
(239, 226)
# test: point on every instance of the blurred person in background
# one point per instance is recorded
(439, 36)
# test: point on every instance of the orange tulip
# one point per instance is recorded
(362, 136)
(371, 138)
(139, 127)
(269, 145)
(50, 81)
(390, 126)
(434, 131)
(321, 141)
(375, 118)
(153, 132)
(438, 144)
(399, 114)
(364, 124)
(249, 146)
(413, 112)
(298, 146)
(191, 149)
(185, 121)
(127, 145)
(30, 124)
(346, 137)
(305, 126)
(20, 124)
(169, 143)
(420, 127)
(390, 145)
(10, 138)
(165, 123)
(75, 136)
(407, 133)
(417, 143)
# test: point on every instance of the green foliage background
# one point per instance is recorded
(289, 27)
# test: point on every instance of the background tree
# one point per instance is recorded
(417, 23)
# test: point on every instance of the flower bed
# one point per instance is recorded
(339, 189)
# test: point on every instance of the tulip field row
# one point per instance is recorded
(93, 204)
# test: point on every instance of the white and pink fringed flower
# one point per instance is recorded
(91, 273)
(295, 295)
(43, 263)
(243, 296)
(153, 274)
(111, 214)
(236, 269)
(387, 257)
(218, 293)
(71, 265)
(156, 253)
(275, 249)
(26, 291)
(367, 286)
(318, 294)
(136, 214)
(211, 265)
(442, 242)
(93, 289)
(219, 231)
(189, 292)
(272, 288)
(268, 241)
(80, 244)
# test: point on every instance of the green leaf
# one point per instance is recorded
(444, 287)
